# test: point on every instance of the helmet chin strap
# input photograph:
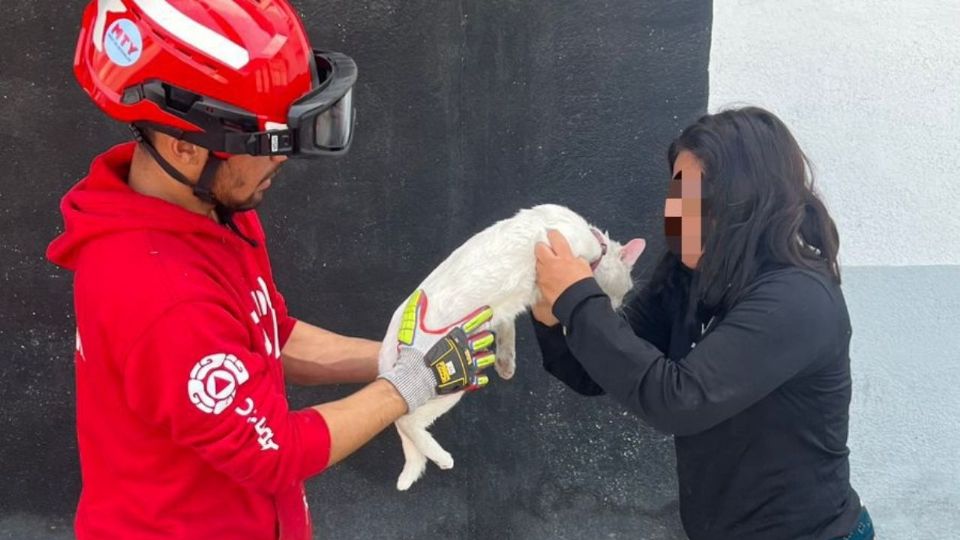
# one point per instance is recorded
(203, 189)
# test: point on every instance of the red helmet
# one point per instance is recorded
(234, 76)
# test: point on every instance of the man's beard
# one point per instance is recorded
(249, 204)
(256, 197)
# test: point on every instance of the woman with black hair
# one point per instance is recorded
(739, 344)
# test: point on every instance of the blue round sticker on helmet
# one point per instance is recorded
(122, 42)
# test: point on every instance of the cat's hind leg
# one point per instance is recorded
(415, 425)
(506, 364)
(415, 463)
(429, 446)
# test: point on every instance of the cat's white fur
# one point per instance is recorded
(496, 267)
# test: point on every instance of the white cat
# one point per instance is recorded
(496, 267)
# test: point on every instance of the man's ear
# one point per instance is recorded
(181, 151)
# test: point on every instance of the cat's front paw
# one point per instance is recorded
(506, 364)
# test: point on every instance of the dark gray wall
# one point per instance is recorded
(468, 112)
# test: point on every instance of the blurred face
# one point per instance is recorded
(242, 180)
(683, 212)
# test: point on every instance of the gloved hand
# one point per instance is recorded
(442, 361)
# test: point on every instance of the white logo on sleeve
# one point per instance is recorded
(264, 433)
(214, 380)
(264, 307)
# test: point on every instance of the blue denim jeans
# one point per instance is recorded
(862, 530)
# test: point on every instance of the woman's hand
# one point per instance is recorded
(557, 269)
(543, 313)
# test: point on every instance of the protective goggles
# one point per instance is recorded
(318, 124)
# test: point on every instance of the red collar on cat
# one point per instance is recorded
(603, 249)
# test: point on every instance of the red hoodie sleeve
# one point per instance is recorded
(285, 322)
(193, 374)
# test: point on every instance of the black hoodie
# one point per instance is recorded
(758, 400)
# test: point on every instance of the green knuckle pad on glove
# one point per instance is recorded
(478, 318)
(437, 362)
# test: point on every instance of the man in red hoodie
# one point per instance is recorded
(183, 342)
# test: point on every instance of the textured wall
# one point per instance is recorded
(904, 436)
(870, 90)
(468, 111)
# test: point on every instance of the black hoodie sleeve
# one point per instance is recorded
(643, 312)
(781, 326)
(559, 362)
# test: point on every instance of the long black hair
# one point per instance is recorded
(761, 206)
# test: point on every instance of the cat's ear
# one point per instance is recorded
(632, 250)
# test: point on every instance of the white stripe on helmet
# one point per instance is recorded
(194, 34)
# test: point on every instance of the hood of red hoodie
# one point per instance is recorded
(103, 204)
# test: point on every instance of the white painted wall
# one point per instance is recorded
(871, 89)
(904, 427)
